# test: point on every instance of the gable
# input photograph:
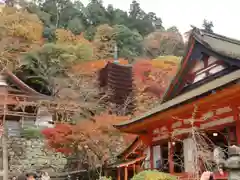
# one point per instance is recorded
(201, 65)
(202, 71)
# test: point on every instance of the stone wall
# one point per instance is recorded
(27, 155)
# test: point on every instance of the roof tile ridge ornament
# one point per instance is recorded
(193, 31)
(197, 31)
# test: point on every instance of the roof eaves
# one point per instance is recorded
(221, 81)
(126, 163)
(129, 147)
(23, 86)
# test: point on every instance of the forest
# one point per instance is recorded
(57, 48)
(136, 33)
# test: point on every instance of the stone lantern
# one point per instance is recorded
(232, 164)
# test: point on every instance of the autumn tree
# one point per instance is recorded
(54, 60)
(44, 65)
(129, 42)
(152, 78)
(161, 43)
(94, 19)
(20, 32)
(91, 141)
(104, 42)
(49, 70)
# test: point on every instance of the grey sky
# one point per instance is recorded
(184, 13)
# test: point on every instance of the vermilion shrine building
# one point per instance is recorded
(208, 80)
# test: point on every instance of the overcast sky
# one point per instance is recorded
(225, 14)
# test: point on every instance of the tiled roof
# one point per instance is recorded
(223, 45)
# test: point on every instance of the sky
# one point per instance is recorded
(182, 13)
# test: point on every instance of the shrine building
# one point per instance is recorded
(204, 95)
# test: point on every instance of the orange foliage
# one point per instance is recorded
(152, 79)
(20, 32)
(155, 71)
(94, 135)
(65, 36)
(168, 66)
(94, 66)
(104, 41)
(142, 69)
(160, 42)
(20, 23)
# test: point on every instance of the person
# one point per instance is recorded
(207, 175)
(31, 176)
(45, 176)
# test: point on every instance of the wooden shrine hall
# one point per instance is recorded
(19, 105)
(203, 99)
(129, 162)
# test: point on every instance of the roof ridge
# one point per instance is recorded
(216, 36)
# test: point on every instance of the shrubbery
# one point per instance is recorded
(31, 133)
(153, 175)
(105, 178)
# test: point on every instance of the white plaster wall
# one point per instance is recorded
(147, 159)
(211, 60)
(156, 155)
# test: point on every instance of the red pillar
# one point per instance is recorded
(170, 157)
(238, 131)
(151, 157)
(134, 169)
(138, 168)
(237, 120)
(125, 173)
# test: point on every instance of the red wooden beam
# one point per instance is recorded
(131, 162)
(134, 169)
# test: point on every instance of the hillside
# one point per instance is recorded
(58, 49)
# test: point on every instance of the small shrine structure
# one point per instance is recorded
(19, 105)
